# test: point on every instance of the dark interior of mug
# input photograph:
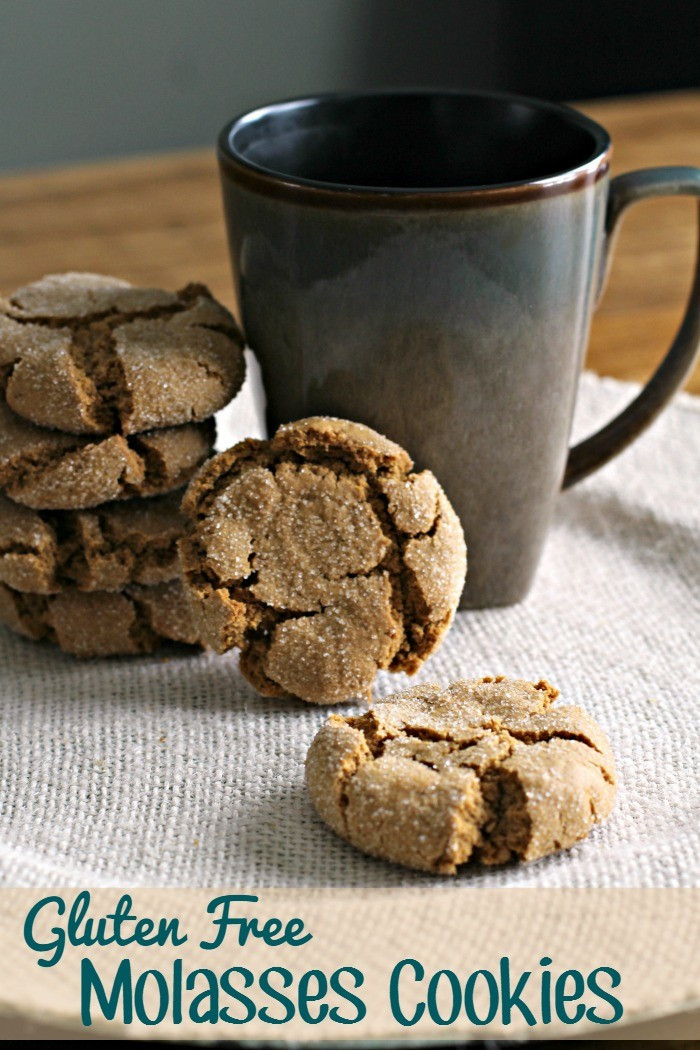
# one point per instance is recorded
(415, 140)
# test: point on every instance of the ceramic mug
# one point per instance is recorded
(428, 263)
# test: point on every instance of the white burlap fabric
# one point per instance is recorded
(171, 770)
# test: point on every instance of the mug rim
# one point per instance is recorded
(278, 183)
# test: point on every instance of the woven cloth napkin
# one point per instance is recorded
(172, 770)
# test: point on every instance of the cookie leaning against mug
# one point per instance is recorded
(485, 770)
(88, 354)
(323, 557)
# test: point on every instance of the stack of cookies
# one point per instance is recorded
(108, 393)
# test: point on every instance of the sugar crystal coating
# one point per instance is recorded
(102, 549)
(49, 470)
(322, 557)
(485, 770)
(102, 623)
(88, 354)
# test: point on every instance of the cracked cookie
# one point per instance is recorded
(102, 623)
(322, 557)
(485, 770)
(50, 470)
(103, 549)
(88, 354)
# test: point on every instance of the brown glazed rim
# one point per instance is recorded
(271, 183)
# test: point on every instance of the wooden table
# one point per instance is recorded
(157, 220)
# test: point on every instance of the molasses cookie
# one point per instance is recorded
(103, 549)
(323, 557)
(94, 355)
(50, 470)
(484, 770)
(101, 623)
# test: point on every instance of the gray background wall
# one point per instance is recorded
(89, 78)
(81, 79)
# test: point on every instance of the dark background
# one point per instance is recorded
(83, 79)
(556, 49)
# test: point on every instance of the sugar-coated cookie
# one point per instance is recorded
(102, 549)
(102, 623)
(322, 557)
(49, 470)
(484, 770)
(89, 354)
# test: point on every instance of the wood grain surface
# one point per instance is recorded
(157, 220)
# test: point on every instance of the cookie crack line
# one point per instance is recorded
(242, 587)
(93, 352)
(146, 468)
(102, 378)
(493, 780)
(488, 821)
(212, 373)
(253, 452)
(70, 559)
(404, 581)
(17, 547)
(543, 736)
(141, 631)
(271, 468)
(510, 800)
(526, 736)
(402, 578)
(137, 619)
(120, 316)
(505, 732)
(328, 519)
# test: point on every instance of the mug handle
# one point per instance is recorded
(596, 450)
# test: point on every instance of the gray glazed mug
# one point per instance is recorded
(428, 263)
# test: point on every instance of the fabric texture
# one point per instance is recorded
(171, 770)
